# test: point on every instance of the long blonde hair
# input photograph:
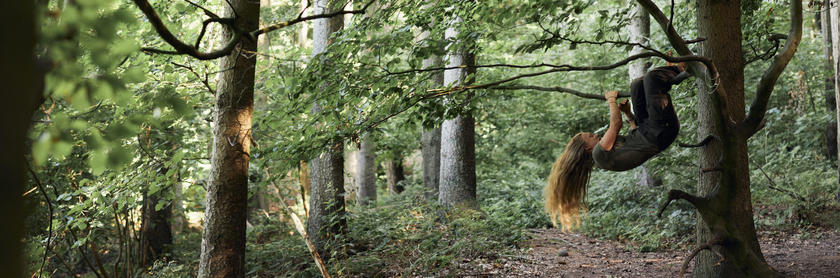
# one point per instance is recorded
(566, 188)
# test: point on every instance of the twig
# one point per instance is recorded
(96, 258)
(299, 227)
(122, 241)
(49, 205)
(204, 81)
(675, 194)
(772, 184)
(706, 246)
(60, 259)
(701, 143)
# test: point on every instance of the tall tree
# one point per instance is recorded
(223, 238)
(327, 176)
(723, 203)
(430, 139)
(834, 11)
(394, 175)
(640, 34)
(366, 172)
(457, 148)
(828, 66)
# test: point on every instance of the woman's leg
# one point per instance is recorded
(637, 98)
(656, 87)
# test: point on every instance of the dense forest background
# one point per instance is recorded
(125, 158)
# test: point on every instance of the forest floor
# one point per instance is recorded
(811, 252)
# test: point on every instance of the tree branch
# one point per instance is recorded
(700, 144)
(768, 81)
(675, 194)
(299, 227)
(558, 89)
(565, 68)
(716, 240)
(700, 70)
(182, 48)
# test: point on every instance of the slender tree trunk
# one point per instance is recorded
(830, 100)
(366, 172)
(639, 33)
(19, 91)
(157, 230)
(431, 162)
(457, 148)
(834, 11)
(223, 239)
(430, 139)
(327, 176)
(394, 175)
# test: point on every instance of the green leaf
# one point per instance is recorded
(177, 157)
(118, 156)
(61, 149)
(124, 48)
(41, 148)
(134, 75)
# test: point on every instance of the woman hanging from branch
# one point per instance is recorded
(654, 127)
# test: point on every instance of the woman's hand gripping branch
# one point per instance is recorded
(608, 139)
(624, 106)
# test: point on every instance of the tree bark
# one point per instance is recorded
(457, 148)
(828, 66)
(366, 173)
(834, 12)
(430, 140)
(223, 239)
(19, 92)
(327, 175)
(720, 23)
(394, 175)
(157, 229)
(639, 33)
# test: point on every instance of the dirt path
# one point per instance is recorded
(815, 257)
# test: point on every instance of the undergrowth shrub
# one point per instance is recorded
(402, 234)
(514, 199)
(621, 210)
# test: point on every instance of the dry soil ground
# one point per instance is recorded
(814, 255)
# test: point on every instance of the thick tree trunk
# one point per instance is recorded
(394, 175)
(17, 74)
(430, 139)
(457, 148)
(223, 239)
(366, 173)
(828, 66)
(720, 22)
(327, 175)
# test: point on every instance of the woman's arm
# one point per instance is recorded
(608, 139)
(624, 106)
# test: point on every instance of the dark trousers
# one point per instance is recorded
(655, 114)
